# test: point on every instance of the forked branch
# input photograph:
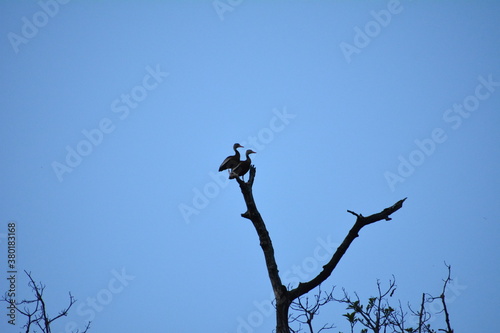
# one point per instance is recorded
(36, 311)
(283, 296)
(361, 221)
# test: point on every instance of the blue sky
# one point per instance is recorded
(116, 116)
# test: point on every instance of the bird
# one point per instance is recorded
(242, 168)
(231, 161)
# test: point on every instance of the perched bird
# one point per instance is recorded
(242, 168)
(231, 161)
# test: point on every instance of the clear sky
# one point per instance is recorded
(115, 117)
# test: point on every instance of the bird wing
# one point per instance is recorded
(228, 163)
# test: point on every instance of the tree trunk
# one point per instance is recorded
(282, 307)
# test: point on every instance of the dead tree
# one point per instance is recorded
(283, 296)
(35, 310)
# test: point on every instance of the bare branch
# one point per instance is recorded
(86, 328)
(308, 311)
(280, 291)
(39, 316)
(421, 314)
(361, 221)
(443, 301)
(65, 311)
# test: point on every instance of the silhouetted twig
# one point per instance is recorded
(38, 316)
